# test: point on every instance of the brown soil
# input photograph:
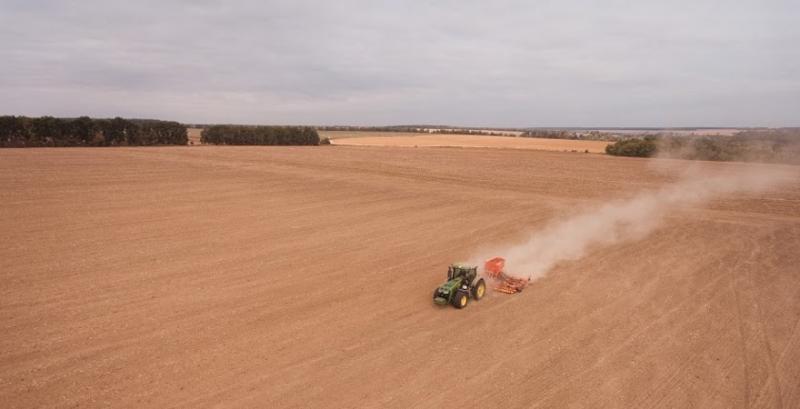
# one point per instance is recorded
(302, 277)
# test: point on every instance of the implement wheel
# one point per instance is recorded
(479, 290)
(460, 299)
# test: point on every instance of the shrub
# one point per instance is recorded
(633, 147)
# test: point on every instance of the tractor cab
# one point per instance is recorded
(458, 270)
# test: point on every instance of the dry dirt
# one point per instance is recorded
(472, 141)
(302, 277)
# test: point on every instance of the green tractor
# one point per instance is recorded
(461, 285)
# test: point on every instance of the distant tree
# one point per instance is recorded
(83, 130)
(46, 131)
(114, 131)
(633, 147)
(14, 131)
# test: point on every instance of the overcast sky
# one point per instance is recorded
(481, 63)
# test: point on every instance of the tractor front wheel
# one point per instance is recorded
(479, 290)
(460, 299)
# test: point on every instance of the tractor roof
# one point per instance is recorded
(463, 265)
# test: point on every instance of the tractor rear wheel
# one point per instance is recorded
(479, 290)
(460, 299)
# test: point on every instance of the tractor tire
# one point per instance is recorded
(479, 290)
(461, 299)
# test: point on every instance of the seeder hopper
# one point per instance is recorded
(504, 283)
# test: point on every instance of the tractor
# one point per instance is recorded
(461, 285)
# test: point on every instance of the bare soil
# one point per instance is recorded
(290, 277)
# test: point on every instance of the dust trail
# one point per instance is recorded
(630, 219)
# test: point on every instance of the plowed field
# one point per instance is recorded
(296, 277)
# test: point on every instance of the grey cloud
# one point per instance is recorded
(510, 63)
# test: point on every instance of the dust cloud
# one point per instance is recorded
(629, 219)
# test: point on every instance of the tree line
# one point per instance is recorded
(780, 145)
(462, 131)
(548, 134)
(21, 131)
(352, 128)
(432, 129)
(259, 135)
(592, 135)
